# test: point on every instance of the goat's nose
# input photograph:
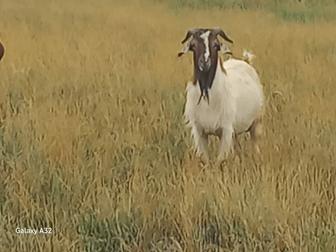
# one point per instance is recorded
(207, 64)
(204, 65)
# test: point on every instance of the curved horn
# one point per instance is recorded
(189, 34)
(220, 32)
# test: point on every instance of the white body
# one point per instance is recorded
(236, 101)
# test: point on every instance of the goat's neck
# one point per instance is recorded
(218, 71)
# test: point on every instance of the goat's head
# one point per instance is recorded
(205, 44)
(2, 51)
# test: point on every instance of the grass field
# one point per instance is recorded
(93, 145)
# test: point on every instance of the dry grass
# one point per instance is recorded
(93, 143)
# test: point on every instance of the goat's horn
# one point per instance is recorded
(189, 34)
(220, 32)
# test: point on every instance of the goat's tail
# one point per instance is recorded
(248, 56)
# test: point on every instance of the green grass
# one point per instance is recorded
(290, 10)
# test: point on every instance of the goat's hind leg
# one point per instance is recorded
(225, 145)
(256, 132)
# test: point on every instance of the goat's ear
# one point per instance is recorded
(184, 50)
(186, 42)
(224, 49)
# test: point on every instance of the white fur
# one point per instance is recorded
(205, 37)
(236, 100)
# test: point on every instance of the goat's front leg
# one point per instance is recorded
(225, 142)
(201, 142)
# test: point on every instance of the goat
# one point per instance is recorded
(233, 98)
(2, 51)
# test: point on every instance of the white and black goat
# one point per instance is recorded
(224, 99)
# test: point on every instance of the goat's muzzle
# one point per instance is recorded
(204, 65)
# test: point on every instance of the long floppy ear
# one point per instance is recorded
(224, 49)
(184, 50)
(220, 32)
(186, 40)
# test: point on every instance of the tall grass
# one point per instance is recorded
(93, 143)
